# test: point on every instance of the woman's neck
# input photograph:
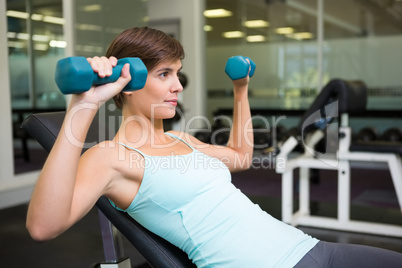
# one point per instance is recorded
(141, 131)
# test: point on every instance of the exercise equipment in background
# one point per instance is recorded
(262, 137)
(367, 134)
(370, 134)
(183, 80)
(392, 134)
(218, 134)
(338, 99)
(75, 75)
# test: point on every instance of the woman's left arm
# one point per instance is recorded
(238, 153)
(241, 139)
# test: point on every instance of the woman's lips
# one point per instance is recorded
(172, 102)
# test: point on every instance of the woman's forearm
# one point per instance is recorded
(241, 136)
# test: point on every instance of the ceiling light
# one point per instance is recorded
(54, 20)
(256, 23)
(89, 27)
(37, 17)
(208, 28)
(17, 14)
(256, 38)
(11, 35)
(233, 34)
(41, 47)
(15, 44)
(23, 36)
(59, 44)
(40, 38)
(92, 8)
(217, 13)
(284, 30)
(300, 36)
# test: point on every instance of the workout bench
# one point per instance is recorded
(157, 251)
(335, 102)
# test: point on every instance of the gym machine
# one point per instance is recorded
(336, 101)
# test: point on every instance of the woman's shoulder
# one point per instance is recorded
(106, 152)
(104, 147)
(112, 162)
(110, 155)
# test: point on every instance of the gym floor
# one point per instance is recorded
(373, 198)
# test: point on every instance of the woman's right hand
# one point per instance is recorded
(102, 93)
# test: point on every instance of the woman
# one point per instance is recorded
(173, 184)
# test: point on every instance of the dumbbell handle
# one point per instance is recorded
(116, 72)
(252, 67)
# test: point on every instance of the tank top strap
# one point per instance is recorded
(176, 137)
(131, 148)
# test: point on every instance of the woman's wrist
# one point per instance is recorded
(240, 92)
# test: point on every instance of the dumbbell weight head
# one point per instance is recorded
(75, 75)
(392, 134)
(238, 67)
(367, 134)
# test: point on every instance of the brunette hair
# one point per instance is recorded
(150, 45)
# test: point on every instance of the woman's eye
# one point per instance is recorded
(164, 74)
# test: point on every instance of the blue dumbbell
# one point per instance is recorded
(237, 67)
(75, 75)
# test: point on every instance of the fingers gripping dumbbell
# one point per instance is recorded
(75, 75)
(238, 67)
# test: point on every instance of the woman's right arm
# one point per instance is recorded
(64, 193)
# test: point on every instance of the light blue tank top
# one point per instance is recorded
(189, 200)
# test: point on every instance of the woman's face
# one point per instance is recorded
(158, 98)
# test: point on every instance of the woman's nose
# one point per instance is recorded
(177, 87)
